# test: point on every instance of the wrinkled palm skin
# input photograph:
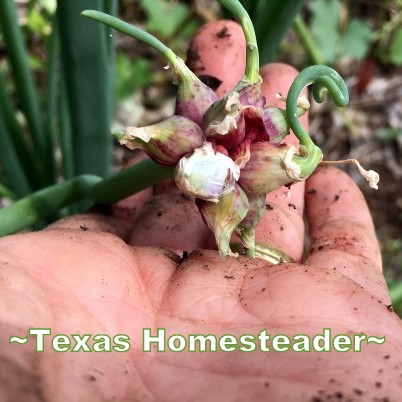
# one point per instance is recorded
(96, 274)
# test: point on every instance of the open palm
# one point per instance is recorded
(118, 274)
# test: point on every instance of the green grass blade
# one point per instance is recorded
(23, 151)
(65, 132)
(395, 292)
(9, 112)
(5, 192)
(253, 8)
(274, 18)
(307, 41)
(110, 7)
(23, 78)
(11, 166)
(51, 93)
(85, 52)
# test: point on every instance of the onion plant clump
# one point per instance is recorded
(230, 152)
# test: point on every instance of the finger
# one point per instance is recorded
(129, 208)
(277, 78)
(282, 225)
(170, 219)
(116, 219)
(217, 55)
(341, 229)
(94, 222)
(235, 294)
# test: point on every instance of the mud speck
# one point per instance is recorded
(336, 198)
(290, 205)
(176, 228)
(229, 277)
(390, 308)
(269, 207)
(223, 33)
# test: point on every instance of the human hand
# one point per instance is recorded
(82, 275)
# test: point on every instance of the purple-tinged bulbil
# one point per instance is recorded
(165, 142)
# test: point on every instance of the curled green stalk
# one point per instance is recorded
(325, 79)
(253, 58)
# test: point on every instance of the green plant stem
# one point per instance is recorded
(23, 80)
(23, 151)
(43, 203)
(253, 8)
(48, 201)
(10, 163)
(5, 192)
(86, 57)
(395, 292)
(129, 181)
(272, 24)
(51, 93)
(110, 6)
(65, 131)
(324, 79)
(307, 41)
(252, 61)
(9, 113)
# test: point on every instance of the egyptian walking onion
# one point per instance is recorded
(229, 153)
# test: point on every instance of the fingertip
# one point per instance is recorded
(217, 54)
(339, 219)
(93, 222)
(277, 78)
(282, 224)
(330, 191)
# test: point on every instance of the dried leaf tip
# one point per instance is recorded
(370, 175)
